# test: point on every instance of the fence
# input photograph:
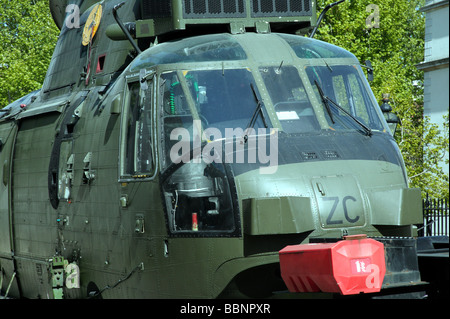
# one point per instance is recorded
(435, 217)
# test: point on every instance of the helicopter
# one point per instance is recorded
(199, 149)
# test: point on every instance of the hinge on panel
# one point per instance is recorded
(237, 28)
(262, 27)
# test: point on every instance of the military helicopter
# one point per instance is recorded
(186, 148)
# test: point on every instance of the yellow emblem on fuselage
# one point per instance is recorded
(92, 23)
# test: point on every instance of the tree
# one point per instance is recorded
(391, 33)
(28, 37)
(428, 173)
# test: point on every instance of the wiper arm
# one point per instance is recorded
(258, 110)
(326, 99)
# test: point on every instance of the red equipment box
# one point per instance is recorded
(350, 266)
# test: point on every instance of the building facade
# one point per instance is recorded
(435, 64)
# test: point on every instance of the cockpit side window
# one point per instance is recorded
(137, 147)
(175, 111)
(197, 195)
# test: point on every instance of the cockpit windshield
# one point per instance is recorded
(343, 85)
(290, 101)
(223, 98)
(216, 99)
(313, 88)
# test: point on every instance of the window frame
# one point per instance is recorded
(370, 106)
(124, 175)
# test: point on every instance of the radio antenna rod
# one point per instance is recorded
(125, 31)
(322, 14)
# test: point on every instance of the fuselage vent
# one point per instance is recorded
(152, 9)
(214, 9)
(273, 8)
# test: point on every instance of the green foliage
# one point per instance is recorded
(394, 47)
(28, 37)
(428, 174)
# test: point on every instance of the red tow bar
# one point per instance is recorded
(350, 266)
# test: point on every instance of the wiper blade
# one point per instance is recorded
(326, 99)
(364, 126)
(258, 110)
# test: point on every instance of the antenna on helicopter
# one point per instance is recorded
(322, 14)
(125, 31)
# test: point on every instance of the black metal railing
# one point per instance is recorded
(435, 217)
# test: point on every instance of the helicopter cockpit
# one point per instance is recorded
(222, 88)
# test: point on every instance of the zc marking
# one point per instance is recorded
(330, 220)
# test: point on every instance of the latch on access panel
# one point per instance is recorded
(140, 225)
(320, 188)
(123, 200)
(88, 173)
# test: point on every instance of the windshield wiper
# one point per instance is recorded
(258, 110)
(326, 100)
